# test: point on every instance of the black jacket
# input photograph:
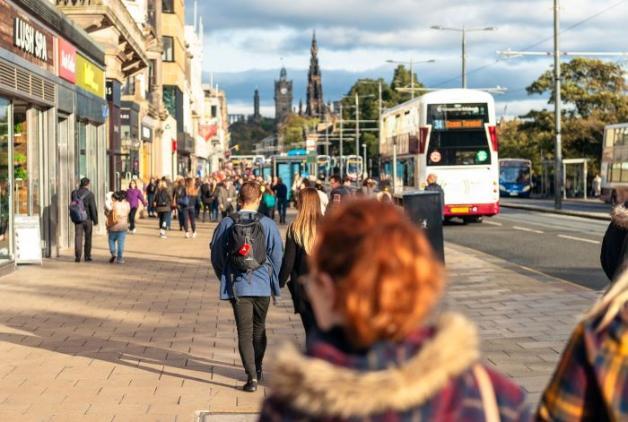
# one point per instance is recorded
(90, 203)
(293, 266)
(614, 255)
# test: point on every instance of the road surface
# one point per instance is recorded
(560, 246)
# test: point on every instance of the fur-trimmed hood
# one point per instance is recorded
(321, 389)
(619, 216)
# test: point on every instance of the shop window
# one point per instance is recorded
(616, 172)
(624, 172)
(81, 149)
(152, 81)
(170, 100)
(214, 111)
(167, 6)
(168, 44)
(27, 143)
(5, 194)
(129, 86)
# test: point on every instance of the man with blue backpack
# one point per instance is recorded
(84, 215)
(246, 254)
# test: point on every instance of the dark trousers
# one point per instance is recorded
(250, 316)
(181, 216)
(163, 220)
(151, 208)
(132, 219)
(308, 320)
(81, 230)
(282, 207)
(189, 219)
(207, 210)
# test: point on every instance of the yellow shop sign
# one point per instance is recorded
(89, 76)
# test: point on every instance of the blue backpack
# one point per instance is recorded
(78, 213)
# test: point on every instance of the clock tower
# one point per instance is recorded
(283, 97)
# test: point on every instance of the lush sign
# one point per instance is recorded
(29, 39)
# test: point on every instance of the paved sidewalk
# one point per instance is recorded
(149, 341)
(592, 208)
(524, 317)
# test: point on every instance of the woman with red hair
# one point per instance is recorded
(377, 354)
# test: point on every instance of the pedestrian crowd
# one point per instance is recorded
(367, 285)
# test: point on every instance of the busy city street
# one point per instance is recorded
(281, 211)
(151, 340)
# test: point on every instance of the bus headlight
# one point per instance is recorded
(526, 189)
(502, 188)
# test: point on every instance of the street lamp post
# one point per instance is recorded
(558, 158)
(341, 140)
(411, 62)
(364, 163)
(464, 31)
(357, 124)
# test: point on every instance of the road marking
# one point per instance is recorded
(579, 239)
(493, 223)
(525, 229)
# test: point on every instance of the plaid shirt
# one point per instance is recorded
(459, 401)
(591, 381)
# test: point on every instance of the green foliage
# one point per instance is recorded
(247, 134)
(593, 96)
(402, 79)
(295, 128)
(368, 93)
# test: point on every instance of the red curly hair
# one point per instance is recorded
(388, 279)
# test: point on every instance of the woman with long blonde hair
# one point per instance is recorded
(300, 240)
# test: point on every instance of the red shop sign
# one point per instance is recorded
(67, 61)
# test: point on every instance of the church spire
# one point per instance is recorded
(315, 106)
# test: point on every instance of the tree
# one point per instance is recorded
(247, 134)
(368, 93)
(593, 95)
(401, 79)
(294, 130)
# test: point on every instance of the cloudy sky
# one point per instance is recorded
(247, 41)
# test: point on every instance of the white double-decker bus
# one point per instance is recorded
(615, 164)
(452, 134)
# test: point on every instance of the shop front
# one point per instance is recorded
(146, 153)
(130, 143)
(37, 126)
(201, 151)
(185, 151)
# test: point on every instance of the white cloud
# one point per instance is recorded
(359, 35)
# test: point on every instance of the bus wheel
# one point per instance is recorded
(473, 219)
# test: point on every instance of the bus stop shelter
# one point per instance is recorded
(577, 178)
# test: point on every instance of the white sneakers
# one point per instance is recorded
(187, 235)
(194, 235)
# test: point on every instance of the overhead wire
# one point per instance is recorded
(536, 44)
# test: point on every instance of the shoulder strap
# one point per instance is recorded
(487, 392)
(235, 217)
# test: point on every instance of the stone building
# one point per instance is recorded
(283, 97)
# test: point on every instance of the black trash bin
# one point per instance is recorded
(425, 209)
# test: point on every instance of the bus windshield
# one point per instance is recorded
(514, 173)
(458, 148)
(458, 136)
